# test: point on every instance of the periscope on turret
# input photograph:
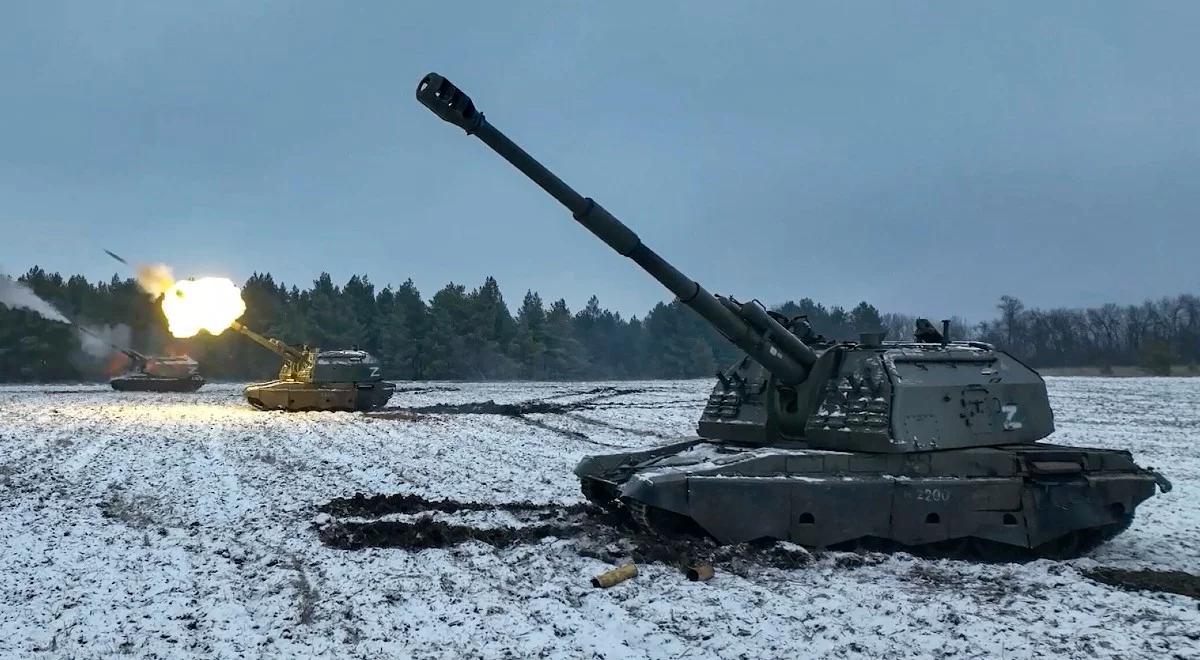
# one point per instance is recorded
(929, 443)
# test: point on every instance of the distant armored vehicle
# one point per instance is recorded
(158, 373)
(312, 379)
(930, 444)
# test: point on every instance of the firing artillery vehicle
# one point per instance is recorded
(152, 373)
(930, 444)
(312, 379)
(158, 373)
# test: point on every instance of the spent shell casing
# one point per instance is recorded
(615, 576)
(700, 573)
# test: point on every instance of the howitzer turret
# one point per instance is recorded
(925, 444)
(312, 379)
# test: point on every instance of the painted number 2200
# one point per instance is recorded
(933, 495)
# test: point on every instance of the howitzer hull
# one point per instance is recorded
(300, 396)
(156, 384)
(1006, 502)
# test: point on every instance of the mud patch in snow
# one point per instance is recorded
(596, 533)
(1171, 582)
(426, 390)
(380, 505)
(399, 415)
(519, 410)
(534, 406)
(595, 537)
(425, 532)
(592, 421)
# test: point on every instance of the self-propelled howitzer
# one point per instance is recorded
(929, 444)
(312, 379)
(152, 373)
(158, 373)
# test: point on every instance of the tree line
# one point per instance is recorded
(1156, 335)
(471, 334)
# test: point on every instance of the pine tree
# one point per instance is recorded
(865, 318)
(359, 295)
(490, 332)
(399, 347)
(702, 362)
(332, 319)
(529, 346)
(446, 349)
(565, 356)
(407, 302)
(670, 348)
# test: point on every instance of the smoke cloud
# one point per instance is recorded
(16, 295)
(103, 340)
(96, 341)
(155, 279)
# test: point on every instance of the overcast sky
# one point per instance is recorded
(926, 158)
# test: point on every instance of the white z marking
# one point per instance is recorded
(1010, 412)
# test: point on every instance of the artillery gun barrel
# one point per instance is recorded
(133, 355)
(270, 343)
(789, 361)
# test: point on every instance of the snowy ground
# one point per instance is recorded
(181, 525)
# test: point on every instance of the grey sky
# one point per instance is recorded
(927, 158)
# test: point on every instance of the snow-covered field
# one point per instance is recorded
(182, 526)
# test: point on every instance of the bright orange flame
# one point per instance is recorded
(208, 303)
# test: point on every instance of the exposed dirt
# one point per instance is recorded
(1171, 582)
(604, 392)
(599, 534)
(395, 415)
(425, 532)
(534, 406)
(425, 390)
(489, 407)
(375, 506)
(664, 405)
(519, 410)
(575, 435)
(607, 425)
(544, 406)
